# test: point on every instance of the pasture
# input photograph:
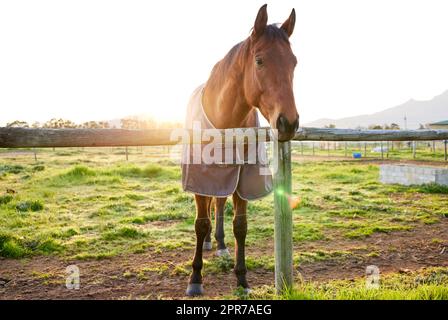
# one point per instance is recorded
(129, 228)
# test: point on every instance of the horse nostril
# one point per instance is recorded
(282, 124)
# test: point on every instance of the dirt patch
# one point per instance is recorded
(118, 278)
(16, 153)
(424, 246)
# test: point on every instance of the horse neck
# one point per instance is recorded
(224, 101)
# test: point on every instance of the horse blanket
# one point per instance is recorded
(251, 180)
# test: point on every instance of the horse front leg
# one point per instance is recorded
(202, 227)
(207, 246)
(240, 232)
(219, 228)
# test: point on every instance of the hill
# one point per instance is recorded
(416, 112)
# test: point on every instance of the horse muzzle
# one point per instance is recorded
(286, 129)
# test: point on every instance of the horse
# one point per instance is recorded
(256, 74)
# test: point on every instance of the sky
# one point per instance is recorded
(100, 60)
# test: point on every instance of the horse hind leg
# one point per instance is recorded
(202, 227)
(219, 227)
(207, 246)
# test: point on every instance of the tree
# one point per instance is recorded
(53, 124)
(129, 123)
(18, 124)
(394, 126)
(91, 125)
(69, 124)
(104, 124)
(330, 126)
(59, 123)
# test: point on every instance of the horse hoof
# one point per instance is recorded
(207, 246)
(247, 291)
(244, 291)
(223, 252)
(195, 289)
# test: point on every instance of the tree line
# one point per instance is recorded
(392, 126)
(125, 123)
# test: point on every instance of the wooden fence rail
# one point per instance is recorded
(26, 137)
(30, 137)
(318, 134)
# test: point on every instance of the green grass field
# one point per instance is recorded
(91, 204)
(431, 284)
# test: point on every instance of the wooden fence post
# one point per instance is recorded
(126, 150)
(446, 156)
(414, 147)
(387, 150)
(283, 219)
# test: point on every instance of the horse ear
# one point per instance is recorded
(260, 22)
(288, 25)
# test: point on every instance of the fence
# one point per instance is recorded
(283, 244)
(398, 150)
(26, 137)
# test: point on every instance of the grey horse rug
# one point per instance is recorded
(250, 179)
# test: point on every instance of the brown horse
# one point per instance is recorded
(256, 74)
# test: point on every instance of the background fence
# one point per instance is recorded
(398, 150)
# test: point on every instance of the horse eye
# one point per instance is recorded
(258, 61)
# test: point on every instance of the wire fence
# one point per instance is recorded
(393, 150)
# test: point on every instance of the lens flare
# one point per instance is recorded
(279, 191)
(293, 201)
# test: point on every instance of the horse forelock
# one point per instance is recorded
(274, 32)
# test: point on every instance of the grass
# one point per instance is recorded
(85, 206)
(25, 206)
(12, 249)
(369, 230)
(433, 188)
(5, 199)
(425, 284)
(94, 204)
(219, 264)
(6, 169)
(429, 285)
(320, 255)
(125, 232)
